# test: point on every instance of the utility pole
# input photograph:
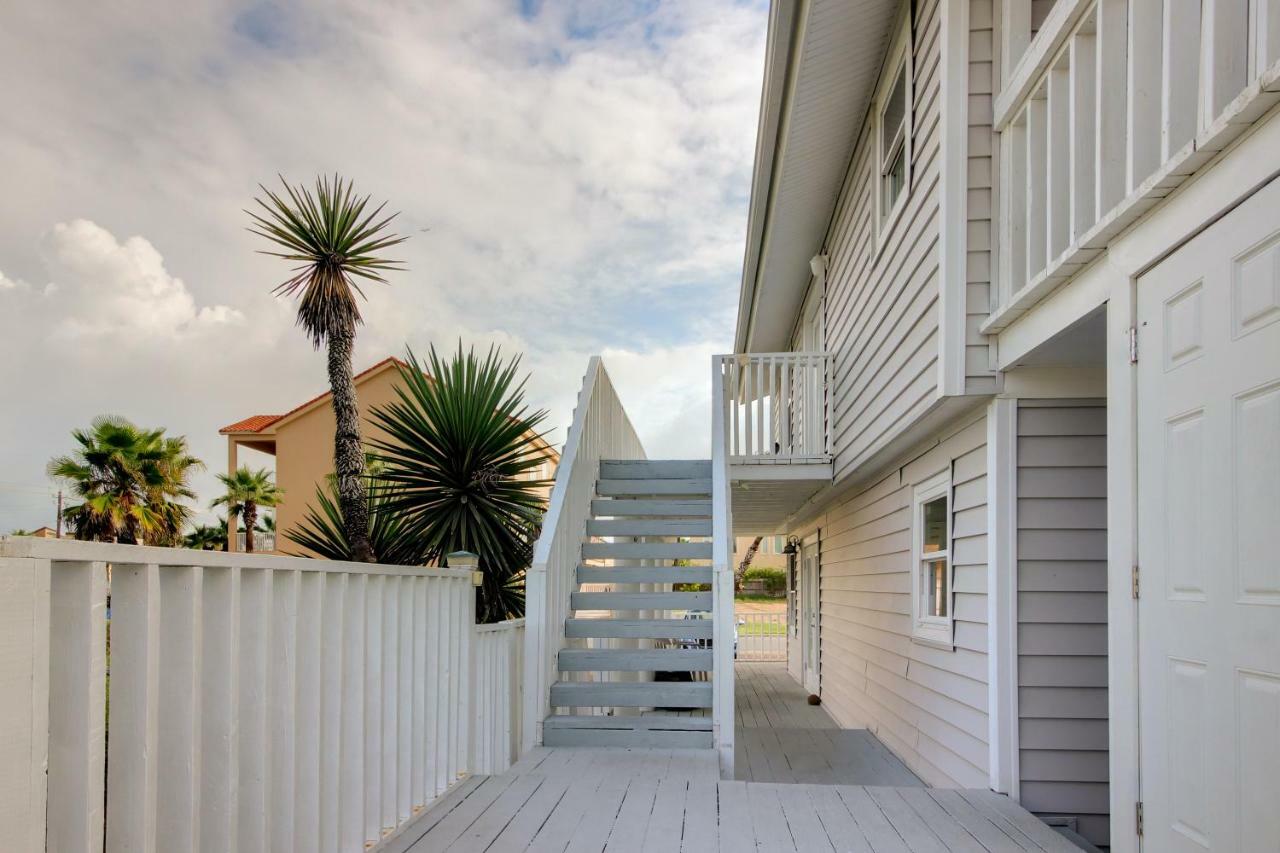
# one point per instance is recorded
(58, 522)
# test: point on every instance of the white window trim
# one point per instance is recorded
(898, 57)
(938, 630)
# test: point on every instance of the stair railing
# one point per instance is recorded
(600, 430)
(722, 710)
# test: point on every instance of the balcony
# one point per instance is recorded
(1108, 109)
(776, 441)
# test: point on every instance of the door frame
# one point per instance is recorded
(1112, 279)
(810, 562)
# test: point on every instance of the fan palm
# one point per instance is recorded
(206, 537)
(121, 475)
(336, 241)
(459, 443)
(168, 498)
(247, 490)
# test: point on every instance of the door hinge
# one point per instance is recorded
(1133, 344)
(1137, 816)
(1135, 581)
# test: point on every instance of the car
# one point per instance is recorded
(689, 643)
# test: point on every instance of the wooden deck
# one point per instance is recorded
(588, 799)
(782, 738)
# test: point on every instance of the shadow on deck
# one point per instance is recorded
(780, 737)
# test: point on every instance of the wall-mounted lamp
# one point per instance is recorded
(793, 546)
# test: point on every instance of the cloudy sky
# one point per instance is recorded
(573, 178)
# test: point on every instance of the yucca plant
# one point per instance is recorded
(322, 533)
(458, 445)
(336, 240)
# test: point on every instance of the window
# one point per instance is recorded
(931, 552)
(893, 133)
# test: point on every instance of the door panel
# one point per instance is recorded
(809, 615)
(1208, 514)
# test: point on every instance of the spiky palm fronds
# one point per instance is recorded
(336, 240)
(459, 444)
(322, 533)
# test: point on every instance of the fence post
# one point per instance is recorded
(24, 700)
(467, 684)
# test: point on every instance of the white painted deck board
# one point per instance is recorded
(804, 785)
(655, 799)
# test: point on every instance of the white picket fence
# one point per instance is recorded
(256, 702)
(761, 636)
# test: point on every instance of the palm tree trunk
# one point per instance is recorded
(250, 519)
(348, 451)
(746, 563)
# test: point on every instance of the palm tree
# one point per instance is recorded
(247, 490)
(323, 534)
(122, 476)
(176, 467)
(207, 537)
(334, 242)
(459, 444)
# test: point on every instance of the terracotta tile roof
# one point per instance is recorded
(255, 423)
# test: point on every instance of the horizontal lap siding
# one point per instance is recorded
(1062, 611)
(979, 377)
(929, 705)
(881, 302)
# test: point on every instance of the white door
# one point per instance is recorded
(794, 661)
(809, 605)
(1208, 527)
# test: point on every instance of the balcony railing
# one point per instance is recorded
(775, 407)
(256, 702)
(262, 540)
(1109, 108)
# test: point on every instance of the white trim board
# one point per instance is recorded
(1002, 595)
(953, 194)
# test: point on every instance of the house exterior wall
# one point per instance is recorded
(928, 704)
(304, 452)
(882, 294)
(1062, 610)
(980, 376)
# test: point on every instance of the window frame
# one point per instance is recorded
(897, 60)
(925, 627)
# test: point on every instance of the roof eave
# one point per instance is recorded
(779, 49)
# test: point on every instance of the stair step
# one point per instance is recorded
(663, 731)
(648, 527)
(602, 507)
(641, 488)
(635, 660)
(655, 469)
(631, 694)
(644, 574)
(640, 601)
(647, 722)
(639, 629)
(646, 550)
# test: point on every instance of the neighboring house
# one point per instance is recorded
(770, 554)
(1033, 251)
(44, 533)
(301, 440)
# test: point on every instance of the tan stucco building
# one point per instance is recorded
(301, 440)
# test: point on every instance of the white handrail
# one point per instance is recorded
(776, 407)
(722, 710)
(1104, 112)
(600, 430)
(257, 702)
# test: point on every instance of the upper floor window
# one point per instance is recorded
(893, 130)
(931, 552)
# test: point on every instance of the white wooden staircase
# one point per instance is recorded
(655, 520)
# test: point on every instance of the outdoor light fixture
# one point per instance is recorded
(793, 545)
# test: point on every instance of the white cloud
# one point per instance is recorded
(581, 177)
(111, 288)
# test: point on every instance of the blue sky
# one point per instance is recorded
(573, 178)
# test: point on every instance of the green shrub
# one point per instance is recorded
(775, 580)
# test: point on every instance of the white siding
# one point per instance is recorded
(979, 377)
(882, 302)
(928, 704)
(1062, 611)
